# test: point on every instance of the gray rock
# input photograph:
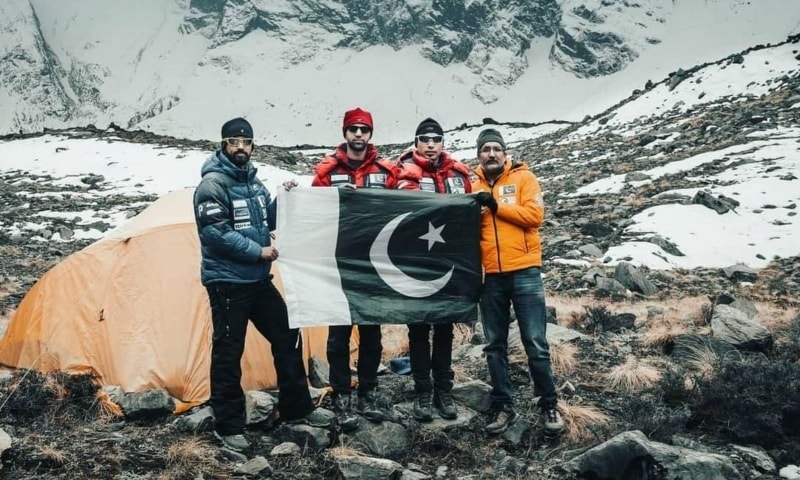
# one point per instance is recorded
(306, 436)
(757, 457)
(318, 372)
(633, 279)
(592, 274)
(474, 394)
(286, 448)
(66, 233)
(385, 439)
(741, 273)
(557, 333)
(591, 250)
(637, 176)
(149, 404)
(5, 442)
(257, 465)
(632, 451)
(665, 245)
(367, 468)
(414, 475)
(198, 420)
(733, 326)
(517, 430)
(259, 408)
(610, 285)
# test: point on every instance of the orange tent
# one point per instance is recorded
(131, 310)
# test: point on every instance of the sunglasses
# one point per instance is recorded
(356, 128)
(430, 138)
(235, 141)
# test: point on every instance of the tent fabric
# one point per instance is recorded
(131, 310)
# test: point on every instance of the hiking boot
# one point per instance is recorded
(423, 411)
(344, 413)
(553, 423)
(501, 420)
(314, 418)
(235, 442)
(443, 401)
(368, 406)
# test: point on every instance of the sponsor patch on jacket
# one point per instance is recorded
(241, 225)
(508, 190)
(339, 178)
(240, 210)
(456, 185)
(206, 209)
(508, 200)
(426, 184)
(376, 180)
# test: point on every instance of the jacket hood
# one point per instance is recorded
(220, 163)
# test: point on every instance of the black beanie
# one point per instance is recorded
(237, 127)
(427, 126)
(490, 135)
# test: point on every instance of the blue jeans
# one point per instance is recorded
(525, 290)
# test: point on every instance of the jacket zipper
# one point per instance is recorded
(494, 224)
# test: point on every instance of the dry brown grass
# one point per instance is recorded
(582, 423)
(661, 332)
(53, 384)
(632, 376)
(563, 357)
(107, 410)
(192, 452)
(773, 317)
(565, 307)
(52, 455)
(345, 451)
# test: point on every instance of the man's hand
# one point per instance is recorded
(347, 185)
(290, 184)
(269, 253)
(486, 199)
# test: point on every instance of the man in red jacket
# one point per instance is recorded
(355, 164)
(429, 168)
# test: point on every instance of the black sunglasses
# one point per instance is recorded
(235, 141)
(356, 128)
(430, 138)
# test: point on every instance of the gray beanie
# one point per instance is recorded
(490, 135)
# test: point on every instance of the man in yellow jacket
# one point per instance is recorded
(511, 254)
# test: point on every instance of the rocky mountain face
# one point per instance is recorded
(46, 83)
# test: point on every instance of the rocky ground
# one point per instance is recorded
(705, 363)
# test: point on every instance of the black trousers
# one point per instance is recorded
(369, 357)
(232, 305)
(425, 359)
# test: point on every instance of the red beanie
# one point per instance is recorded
(352, 117)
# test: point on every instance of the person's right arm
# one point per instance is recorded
(213, 215)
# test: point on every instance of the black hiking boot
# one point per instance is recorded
(443, 401)
(423, 411)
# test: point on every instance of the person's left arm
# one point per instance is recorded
(528, 211)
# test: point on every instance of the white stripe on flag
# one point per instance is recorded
(308, 226)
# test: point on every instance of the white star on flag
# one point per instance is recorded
(434, 235)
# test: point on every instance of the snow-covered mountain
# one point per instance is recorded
(293, 66)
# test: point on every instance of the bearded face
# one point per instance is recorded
(238, 150)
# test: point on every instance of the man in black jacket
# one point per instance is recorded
(235, 215)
